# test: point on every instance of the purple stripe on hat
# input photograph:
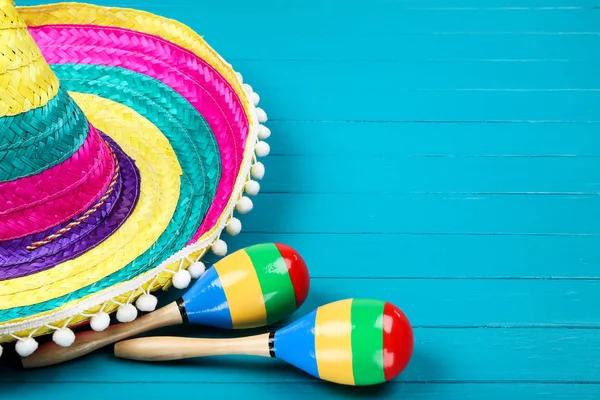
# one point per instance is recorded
(16, 261)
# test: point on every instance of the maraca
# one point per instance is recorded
(253, 287)
(351, 342)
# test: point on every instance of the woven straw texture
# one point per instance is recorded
(193, 78)
(173, 31)
(25, 81)
(40, 139)
(117, 121)
(193, 116)
(57, 133)
(56, 203)
(17, 260)
(193, 202)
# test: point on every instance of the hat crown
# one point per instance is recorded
(26, 80)
(41, 126)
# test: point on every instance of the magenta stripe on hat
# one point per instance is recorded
(183, 71)
(17, 261)
(54, 182)
(37, 203)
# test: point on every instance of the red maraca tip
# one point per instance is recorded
(398, 341)
(297, 270)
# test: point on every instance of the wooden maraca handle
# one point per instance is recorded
(87, 342)
(175, 348)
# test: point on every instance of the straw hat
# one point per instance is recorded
(126, 145)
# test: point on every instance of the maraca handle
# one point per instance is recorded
(175, 348)
(87, 342)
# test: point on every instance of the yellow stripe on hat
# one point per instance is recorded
(16, 49)
(8, 17)
(333, 342)
(242, 290)
(26, 80)
(160, 174)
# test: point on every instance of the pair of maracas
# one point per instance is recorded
(352, 341)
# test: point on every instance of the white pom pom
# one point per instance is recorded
(263, 132)
(244, 205)
(100, 321)
(255, 98)
(234, 227)
(146, 302)
(126, 313)
(197, 269)
(239, 76)
(26, 347)
(252, 188)
(182, 279)
(262, 149)
(219, 248)
(248, 89)
(261, 115)
(63, 337)
(258, 171)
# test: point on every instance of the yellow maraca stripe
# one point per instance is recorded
(333, 342)
(242, 290)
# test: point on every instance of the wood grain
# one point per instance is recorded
(89, 341)
(171, 348)
(443, 154)
(466, 390)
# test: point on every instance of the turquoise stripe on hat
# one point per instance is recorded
(63, 130)
(193, 142)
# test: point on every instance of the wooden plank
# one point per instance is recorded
(409, 105)
(425, 214)
(426, 139)
(389, 19)
(303, 390)
(419, 75)
(350, 174)
(274, 6)
(472, 303)
(441, 355)
(439, 256)
(354, 45)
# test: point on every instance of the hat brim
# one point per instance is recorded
(175, 108)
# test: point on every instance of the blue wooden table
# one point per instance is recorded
(440, 154)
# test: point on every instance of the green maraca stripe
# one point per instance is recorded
(275, 282)
(367, 341)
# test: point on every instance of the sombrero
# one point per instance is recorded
(126, 146)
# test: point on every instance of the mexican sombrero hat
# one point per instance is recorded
(126, 146)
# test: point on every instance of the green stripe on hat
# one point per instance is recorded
(367, 341)
(275, 282)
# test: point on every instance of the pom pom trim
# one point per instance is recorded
(101, 320)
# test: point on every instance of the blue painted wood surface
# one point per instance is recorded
(440, 154)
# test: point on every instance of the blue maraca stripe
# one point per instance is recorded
(295, 344)
(205, 302)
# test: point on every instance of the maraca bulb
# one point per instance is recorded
(253, 287)
(351, 342)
